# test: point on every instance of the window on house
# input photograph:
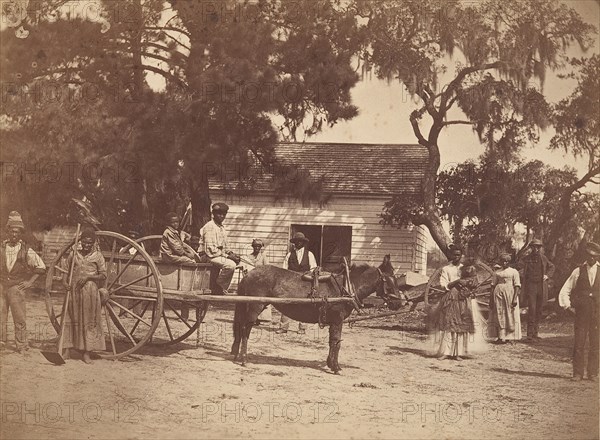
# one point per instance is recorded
(329, 244)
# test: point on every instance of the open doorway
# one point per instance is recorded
(329, 244)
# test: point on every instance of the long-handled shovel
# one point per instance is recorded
(56, 356)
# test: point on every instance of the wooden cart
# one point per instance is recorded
(150, 301)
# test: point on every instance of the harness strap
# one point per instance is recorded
(323, 312)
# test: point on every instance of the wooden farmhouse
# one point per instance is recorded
(357, 179)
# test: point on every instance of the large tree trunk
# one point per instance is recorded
(431, 215)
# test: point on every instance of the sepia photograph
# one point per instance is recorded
(299, 219)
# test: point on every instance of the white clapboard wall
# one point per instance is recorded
(259, 216)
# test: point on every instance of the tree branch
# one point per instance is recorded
(164, 74)
(162, 29)
(455, 83)
(457, 122)
(414, 121)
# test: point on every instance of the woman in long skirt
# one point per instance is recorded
(83, 329)
(453, 318)
(505, 316)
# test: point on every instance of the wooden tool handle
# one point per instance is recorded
(70, 280)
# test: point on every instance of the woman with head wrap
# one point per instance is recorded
(453, 318)
(258, 258)
(83, 328)
(505, 316)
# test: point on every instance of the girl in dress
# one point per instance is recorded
(505, 316)
(83, 328)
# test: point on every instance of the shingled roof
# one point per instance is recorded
(374, 169)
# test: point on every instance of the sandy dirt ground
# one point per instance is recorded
(389, 387)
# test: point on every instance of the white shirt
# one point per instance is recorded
(449, 273)
(33, 259)
(564, 297)
(312, 261)
(213, 237)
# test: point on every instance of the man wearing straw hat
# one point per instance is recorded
(299, 259)
(19, 268)
(581, 295)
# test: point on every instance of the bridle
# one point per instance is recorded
(387, 292)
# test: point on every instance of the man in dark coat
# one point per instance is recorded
(537, 269)
(581, 295)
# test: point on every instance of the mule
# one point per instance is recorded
(275, 282)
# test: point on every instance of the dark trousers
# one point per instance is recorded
(535, 300)
(586, 326)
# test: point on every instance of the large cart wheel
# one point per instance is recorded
(134, 288)
(181, 316)
(486, 279)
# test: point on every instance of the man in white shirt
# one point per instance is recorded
(213, 237)
(301, 260)
(581, 294)
(19, 268)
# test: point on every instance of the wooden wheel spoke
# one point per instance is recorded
(112, 340)
(178, 315)
(60, 269)
(126, 310)
(123, 269)
(116, 317)
(488, 280)
(135, 304)
(164, 315)
(124, 286)
(142, 315)
(112, 251)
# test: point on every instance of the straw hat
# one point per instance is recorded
(15, 220)
(298, 236)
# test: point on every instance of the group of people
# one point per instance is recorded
(213, 246)
(20, 266)
(505, 310)
(454, 320)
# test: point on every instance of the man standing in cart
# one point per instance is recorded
(213, 238)
(19, 268)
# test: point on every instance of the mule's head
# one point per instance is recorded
(380, 280)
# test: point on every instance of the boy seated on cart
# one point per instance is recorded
(215, 248)
(172, 248)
